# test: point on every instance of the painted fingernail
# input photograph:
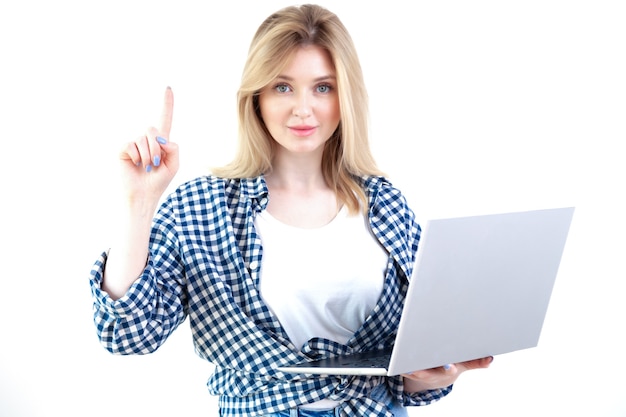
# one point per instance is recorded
(161, 140)
(157, 160)
(149, 168)
(447, 367)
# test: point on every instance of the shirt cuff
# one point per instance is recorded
(137, 298)
(425, 397)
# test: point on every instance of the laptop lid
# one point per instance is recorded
(480, 287)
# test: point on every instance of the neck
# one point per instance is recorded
(299, 194)
(299, 172)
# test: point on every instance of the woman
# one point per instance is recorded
(298, 249)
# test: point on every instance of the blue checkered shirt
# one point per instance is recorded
(204, 262)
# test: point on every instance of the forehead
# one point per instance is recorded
(309, 61)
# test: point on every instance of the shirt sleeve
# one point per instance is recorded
(411, 399)
(425, 397)
(154, 305)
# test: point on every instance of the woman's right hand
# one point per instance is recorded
(149, 164)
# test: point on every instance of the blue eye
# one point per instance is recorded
(324, 88)
(282, 88)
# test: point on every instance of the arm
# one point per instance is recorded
(156, 302)
(139, 298)
(441, 377)
(147, 167)
(128, 255)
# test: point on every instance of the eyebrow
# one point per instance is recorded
(318, 79)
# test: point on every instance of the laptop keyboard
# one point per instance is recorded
(380, 361)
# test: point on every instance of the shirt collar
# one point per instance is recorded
(255, 190)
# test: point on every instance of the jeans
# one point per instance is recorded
(379, 394)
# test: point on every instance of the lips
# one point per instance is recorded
(302, 130)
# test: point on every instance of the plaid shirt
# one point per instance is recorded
(204, 263)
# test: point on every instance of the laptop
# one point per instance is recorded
(480, 287)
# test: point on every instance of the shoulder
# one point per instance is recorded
(381, 192)
(212, 191)
(392, 221)
(218, 186)
(388, 207)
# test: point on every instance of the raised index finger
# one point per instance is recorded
(168, 111)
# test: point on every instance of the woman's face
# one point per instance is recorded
(300, 107)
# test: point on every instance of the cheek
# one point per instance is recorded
(262, 109)
(271, 111)
(333, 112)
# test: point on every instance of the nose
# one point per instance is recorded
(302, 106)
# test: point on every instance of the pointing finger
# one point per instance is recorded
(167, 114)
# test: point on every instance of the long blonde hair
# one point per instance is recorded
(347, 153)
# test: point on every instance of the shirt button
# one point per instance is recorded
(254, 265)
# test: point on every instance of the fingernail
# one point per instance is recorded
(447, 367)
(161, 140)
(149, 168)
(157, 161)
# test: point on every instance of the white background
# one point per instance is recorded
(476, 106)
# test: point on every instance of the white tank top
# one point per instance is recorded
(321, 282)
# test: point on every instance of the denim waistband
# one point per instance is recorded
(299, 412)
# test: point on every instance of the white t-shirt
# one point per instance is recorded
(321, 282)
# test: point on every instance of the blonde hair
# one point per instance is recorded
(347, 154)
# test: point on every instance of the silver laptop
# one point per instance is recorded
(480, 287)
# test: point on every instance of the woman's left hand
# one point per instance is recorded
(442, 376)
